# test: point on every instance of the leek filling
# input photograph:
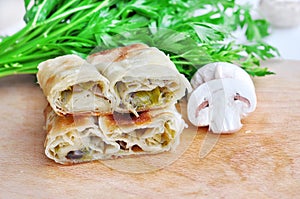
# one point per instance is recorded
(145, 138)
(82, 97)
(141, 100)
(164, 138)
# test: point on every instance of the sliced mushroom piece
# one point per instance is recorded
(73, 155)
(219, 70)
(221, 104)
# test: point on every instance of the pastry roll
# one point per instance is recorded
(152, 132)
(141, 78)
(76, 139)
(73, 86)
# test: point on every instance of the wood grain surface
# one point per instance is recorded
(262, 160)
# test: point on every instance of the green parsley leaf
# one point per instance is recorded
(191, 32)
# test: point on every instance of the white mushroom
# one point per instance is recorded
(224, 94)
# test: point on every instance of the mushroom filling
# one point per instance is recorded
(73, 155)
(81, 145)
(82, 97)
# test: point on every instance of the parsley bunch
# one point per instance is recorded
(191, 32)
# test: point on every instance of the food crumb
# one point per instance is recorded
(248, 131)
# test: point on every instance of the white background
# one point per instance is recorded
(286, 40)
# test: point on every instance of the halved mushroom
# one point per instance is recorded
(220, 104)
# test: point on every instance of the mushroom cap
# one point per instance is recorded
(220, 104)
(219, 70)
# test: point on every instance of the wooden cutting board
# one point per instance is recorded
(262, 160)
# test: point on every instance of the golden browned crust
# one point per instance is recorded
(119, 54)
(128, 118)
(63, 123)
